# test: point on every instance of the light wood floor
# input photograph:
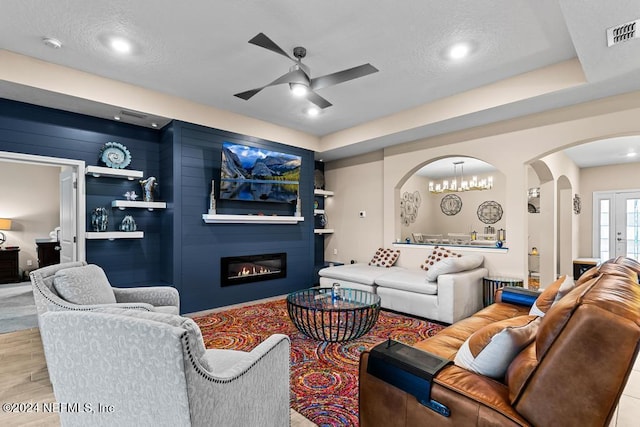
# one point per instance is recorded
(24, 379)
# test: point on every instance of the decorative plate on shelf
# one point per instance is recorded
(577, 204)
(450, 204)
(115, 155)
(490, 212)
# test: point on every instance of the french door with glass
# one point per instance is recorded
(616, 218)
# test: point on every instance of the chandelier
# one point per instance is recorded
(459, 184)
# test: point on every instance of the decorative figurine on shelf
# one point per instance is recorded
(298, 207)
(99, 219)
(149, 187)
(499, 244)
(534, 251)
(131, 195)
(474, 235)
(128, 224)
(212, 199)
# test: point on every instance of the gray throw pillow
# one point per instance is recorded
(84, 285)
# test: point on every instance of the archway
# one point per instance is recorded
(436, 216)
(541, 224)
(565, 244)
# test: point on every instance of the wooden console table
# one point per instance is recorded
(9, 269)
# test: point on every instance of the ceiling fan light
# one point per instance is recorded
(298, 89)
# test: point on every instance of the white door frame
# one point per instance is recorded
(79, 167)
(597, 197)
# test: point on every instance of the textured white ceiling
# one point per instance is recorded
(199, 50)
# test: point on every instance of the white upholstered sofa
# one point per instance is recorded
(446, 297)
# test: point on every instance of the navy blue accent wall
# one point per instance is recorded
(194, 154)
(42, 131)
(178, 247)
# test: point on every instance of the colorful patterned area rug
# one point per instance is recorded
(324, 376)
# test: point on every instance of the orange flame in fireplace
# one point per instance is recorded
(252, 271)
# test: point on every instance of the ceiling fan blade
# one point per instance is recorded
(263, 41)
(318, 100)
(342, 76)
(248, 94)
(295, 76)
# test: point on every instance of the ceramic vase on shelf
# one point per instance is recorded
(100, 219)
(128, 224)
(212, 199)
(149, 187)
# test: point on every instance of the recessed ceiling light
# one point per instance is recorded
(313, 111)
(116, 118)
(632, 154)
(51, 42)
(459, 50)
(154, 125)
(120, 45)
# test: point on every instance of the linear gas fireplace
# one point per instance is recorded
(252, 268)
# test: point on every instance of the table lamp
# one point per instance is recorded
(5, 224)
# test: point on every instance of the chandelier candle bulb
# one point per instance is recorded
(459, 185)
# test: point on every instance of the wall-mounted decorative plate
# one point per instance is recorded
(450, 204)
(115, 155)
(577, 204)
(490, 212)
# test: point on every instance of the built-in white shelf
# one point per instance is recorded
(251, 219)
(111, 235)
(318, 211)
(99, 171)
(123, 204)
(323, 230)
(325, 193)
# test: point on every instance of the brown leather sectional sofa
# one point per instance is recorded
(572, 374)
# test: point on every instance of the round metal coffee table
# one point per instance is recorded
(320, 314)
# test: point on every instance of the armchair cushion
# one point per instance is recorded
(164, 298)
(84, 285)
(490, 350)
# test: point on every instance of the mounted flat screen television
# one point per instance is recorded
(260, 175)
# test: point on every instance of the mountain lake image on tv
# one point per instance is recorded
(256, 174)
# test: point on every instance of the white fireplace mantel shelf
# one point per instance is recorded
(251, 219)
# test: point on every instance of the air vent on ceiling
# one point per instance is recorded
(622, 33)
(134, 114)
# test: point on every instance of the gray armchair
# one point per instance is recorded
(132, 367)
(154, 298)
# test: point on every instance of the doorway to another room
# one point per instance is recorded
(43, 197)
(616, 216)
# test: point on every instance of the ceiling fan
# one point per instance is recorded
(299, 75)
